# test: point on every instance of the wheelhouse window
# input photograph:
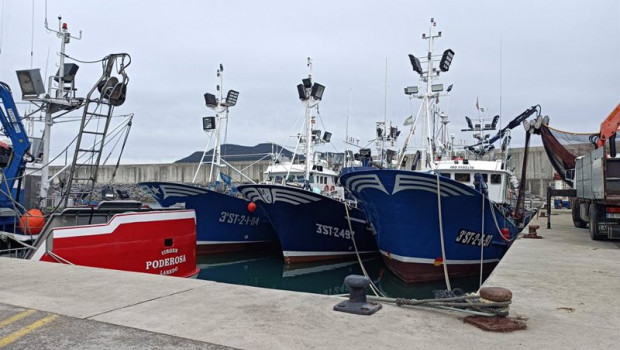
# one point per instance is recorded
(496, 178)
(448, 175)
(462, 177)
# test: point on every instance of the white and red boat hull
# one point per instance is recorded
(156, 242)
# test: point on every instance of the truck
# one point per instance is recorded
(597, 185)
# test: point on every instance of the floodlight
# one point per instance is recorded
(469, 124)
(446, 60)
(404, 162)
(411, 90)
(208, 123)
(327, 136)
(394, 132)
(70, 69)
(231, 98)
(317, 91)
(449, 88)
(365, 152)
(437, 87)
(307, 83)
(316, 134)
(302, 92)
(494, 122)
(30, 82)
(210, 100)
(415, 64)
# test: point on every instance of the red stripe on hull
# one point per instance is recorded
(314, 258)
(135, 246)
(418, 272)
(220, 248)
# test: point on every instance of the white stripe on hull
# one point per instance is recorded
(226, 242)
(407, 259)
(292, 253)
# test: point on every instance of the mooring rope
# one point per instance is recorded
(471, 304)
(444, 262)
(373, 287)
(482, 239)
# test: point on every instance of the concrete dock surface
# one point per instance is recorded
(565, 285)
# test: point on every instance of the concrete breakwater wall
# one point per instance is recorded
(539, 171)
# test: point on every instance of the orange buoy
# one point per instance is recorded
(32, 222)
(251, 207)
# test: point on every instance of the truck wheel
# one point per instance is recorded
(594, 234)
(576, 216)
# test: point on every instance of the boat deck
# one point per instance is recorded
(565, 285)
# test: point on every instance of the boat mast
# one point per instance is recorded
(427, 131)
(65, 37)
(432, 92)
(220, 106)
(309, 105)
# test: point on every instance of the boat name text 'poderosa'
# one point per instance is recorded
(175, 260)
(333, 231)
(239, 219)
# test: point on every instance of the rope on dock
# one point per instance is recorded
(470, 304)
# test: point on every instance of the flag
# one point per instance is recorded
(226, 178)
(408, 121)
(477, 106)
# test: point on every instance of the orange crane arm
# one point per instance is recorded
(609, 126)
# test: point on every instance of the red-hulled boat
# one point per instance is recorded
(121, 235)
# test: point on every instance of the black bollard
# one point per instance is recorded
(357, 303)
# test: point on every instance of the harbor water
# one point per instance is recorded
(268, 270)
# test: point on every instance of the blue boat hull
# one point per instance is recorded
(310, 226)
(223, 222)
(404, 209)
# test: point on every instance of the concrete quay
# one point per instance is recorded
(564, 285)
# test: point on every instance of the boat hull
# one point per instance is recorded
(404, 209)
(310, 226)
(224, 222)
(156, 242)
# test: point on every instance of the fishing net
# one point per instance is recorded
(562, 147)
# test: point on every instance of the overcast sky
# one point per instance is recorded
(563, 55)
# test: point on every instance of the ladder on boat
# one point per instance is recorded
(94, 127)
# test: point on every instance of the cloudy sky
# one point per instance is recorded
(563, 55)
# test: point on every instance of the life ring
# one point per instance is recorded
(333, 188)
(326, 188)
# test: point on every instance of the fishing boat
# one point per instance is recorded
(449, 215)
(226, 222)
(114, 234)
(304, 202)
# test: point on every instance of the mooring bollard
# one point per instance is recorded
(496, 323)
(357, 303)
(532, 232)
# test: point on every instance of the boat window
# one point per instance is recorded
(290, 178)
(311, 177)
(462, 177)
(496, 178)
(485, 178)
(448, 175)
